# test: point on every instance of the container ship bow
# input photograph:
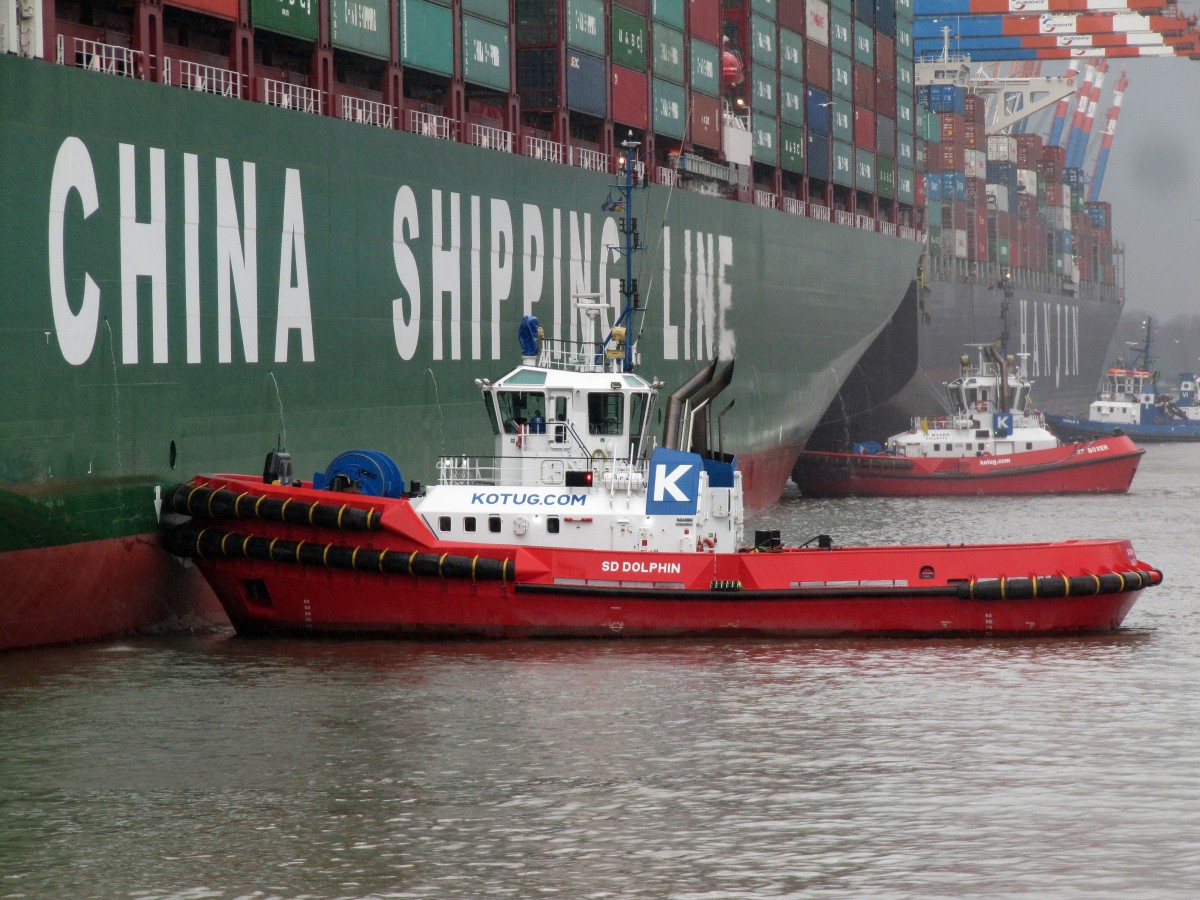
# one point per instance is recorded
(238, 225)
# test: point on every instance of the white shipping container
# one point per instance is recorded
(1001, 148)
(998, 196)
(1027, 181)
(976, 163)
(960, 243)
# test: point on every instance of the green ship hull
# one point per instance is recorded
(191, 281)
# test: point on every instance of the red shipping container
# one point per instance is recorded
(951, 125)
(885, 53)
(1056, 155)
(974, 109)
(981, 234)
(974, 135)
(919, 190)
(704, 20)
(630, 99)
(864, 129)
(885, 95)
(226, 9)
(864, 86)
(790, 15)
(706, 121)
(817, 65)
(950, 158)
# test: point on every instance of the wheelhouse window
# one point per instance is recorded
(606, 413)
(519, 408)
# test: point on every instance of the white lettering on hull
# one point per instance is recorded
(454, 278)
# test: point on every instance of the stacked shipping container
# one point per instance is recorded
(1005, 199)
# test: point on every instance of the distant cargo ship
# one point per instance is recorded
(1017, 256)
(231, 225)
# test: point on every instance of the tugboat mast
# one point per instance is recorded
(623, 331)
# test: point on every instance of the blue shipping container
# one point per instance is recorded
(818, 160)
(587, 84)
(947, 98)
(816, 110)
(933, 187)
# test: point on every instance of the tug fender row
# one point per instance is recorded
(208, 543)
(219, 503)
(1058, 585)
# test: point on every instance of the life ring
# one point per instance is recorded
(598, 455)
(981, 406)
(705, 543)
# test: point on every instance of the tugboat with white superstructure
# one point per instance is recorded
(581, 526)
(993, 441)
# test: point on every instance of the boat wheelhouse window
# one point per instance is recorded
(937, 448)
(522, 408)
(1029, 445)
(552, 525)
(494, 524)
(639, 409)
(606, 412)
(443, 523)
(469, 523)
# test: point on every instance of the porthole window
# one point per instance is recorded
(552, 524)
(443, 523)
(494, 524)
(469, 523)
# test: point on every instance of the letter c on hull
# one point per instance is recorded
(76, 331)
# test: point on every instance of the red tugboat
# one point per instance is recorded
(577, 527)
(993, 442)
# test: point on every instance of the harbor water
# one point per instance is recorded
(206, 766)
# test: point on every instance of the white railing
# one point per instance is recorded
(541, 148)
(107, 58)
(765, 199)
(3, 38)
(666, 176)
(909, 233)
(206, 79)
(842, 217)
(816, 211)
(292, 96)
(887, 228)
(430, 125)
(794, 207)
(490, 138)
(592, 160)
(866, 223)
(366, 112)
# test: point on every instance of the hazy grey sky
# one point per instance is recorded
(1153, 182)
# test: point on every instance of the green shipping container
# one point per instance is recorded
(496, 10)
(706, 68)
(763, 95)
(791, 54)
(669, 11)
(669, 113)
(904, 75)
(362, 26)
(791, 147)
(295, 17)
(843, 164)
(885, 177)
(762, 41)
(843, 77)
(841, 32)
(791, 100)
(904, 114)
(935, 239)
(766, 138)
(585, 26)
(628, 39)
(668, 53)
(904, 47)
(426, 36)
(906, 187)
(864, 44)
(841, 120)
(904, 11)
(846, 6)
(864, 170)
(485, 53)
(904, 151)
(765, 8)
